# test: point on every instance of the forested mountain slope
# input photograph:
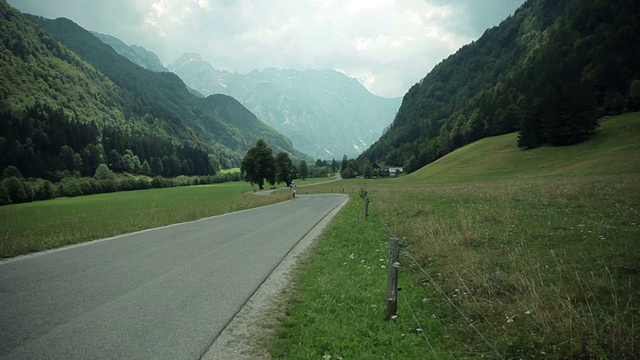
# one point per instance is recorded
(61, 87)
(550, 71)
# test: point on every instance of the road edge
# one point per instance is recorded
(238, 339)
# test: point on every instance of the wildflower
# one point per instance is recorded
(394, 317)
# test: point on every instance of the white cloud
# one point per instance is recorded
(387, 44)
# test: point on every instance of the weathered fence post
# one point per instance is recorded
(366, 204)
(392, 277)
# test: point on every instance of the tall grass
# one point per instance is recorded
(544, 267)
(508, 253)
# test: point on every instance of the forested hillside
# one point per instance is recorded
(550, 71)
(70, 103)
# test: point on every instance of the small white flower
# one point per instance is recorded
(396, 264)
(394, 317)
(352, 256)
(528, 312)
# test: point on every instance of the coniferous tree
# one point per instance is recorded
(303, 170)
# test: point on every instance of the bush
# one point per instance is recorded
(108, 186)
(4, 195)
(70, 187)
(160, 182)
(43, 189)
(18, 190)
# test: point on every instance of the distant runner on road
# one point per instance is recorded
(293, 189)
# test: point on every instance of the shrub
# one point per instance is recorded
(18, 190)
(43, 189)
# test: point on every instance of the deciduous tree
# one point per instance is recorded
(258, 165)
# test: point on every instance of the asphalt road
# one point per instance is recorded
(164, 293)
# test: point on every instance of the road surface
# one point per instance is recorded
(164, 293)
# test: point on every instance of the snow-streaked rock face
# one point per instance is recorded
(324, 112)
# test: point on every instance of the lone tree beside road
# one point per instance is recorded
(259, 165)
(285, 171)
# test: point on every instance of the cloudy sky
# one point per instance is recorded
(388, 45)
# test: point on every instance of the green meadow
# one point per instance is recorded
(54, 223)
(49, 224)
(508, 253)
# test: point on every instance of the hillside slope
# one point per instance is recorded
(613, 149)
(549, 71)
(60, 85)
(137, 54)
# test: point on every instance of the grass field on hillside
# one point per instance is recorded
(509, 254)
(49, 224)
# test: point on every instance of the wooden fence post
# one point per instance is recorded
(366, 205)
(392, 277)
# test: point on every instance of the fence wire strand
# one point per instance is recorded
(447, 298)
(420, 326)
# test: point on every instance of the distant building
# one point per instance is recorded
(388, 170)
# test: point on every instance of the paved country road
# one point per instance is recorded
(164, 293)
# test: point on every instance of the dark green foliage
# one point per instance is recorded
(18, 190)
(367, 169)
(285, 171)
(303, 170)
(549, 71)
(259, 165)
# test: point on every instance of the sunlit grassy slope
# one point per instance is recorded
(537, 249)
(613, 150)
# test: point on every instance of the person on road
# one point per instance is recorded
(293, 189)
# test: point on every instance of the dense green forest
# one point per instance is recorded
(69, 103)
(550, 71)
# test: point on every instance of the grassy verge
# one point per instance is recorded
(48, 224)
(538, 250)
(336, 307)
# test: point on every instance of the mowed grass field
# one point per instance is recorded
(49, 224)
(508, 253)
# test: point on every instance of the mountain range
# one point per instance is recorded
(61, 86)
(324, 112)
(137, 54)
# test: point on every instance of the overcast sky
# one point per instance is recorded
(388, 45)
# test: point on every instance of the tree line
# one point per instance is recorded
(42, 142)
(259, 167)
(44, 154)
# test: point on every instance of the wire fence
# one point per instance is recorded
(364, 194)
